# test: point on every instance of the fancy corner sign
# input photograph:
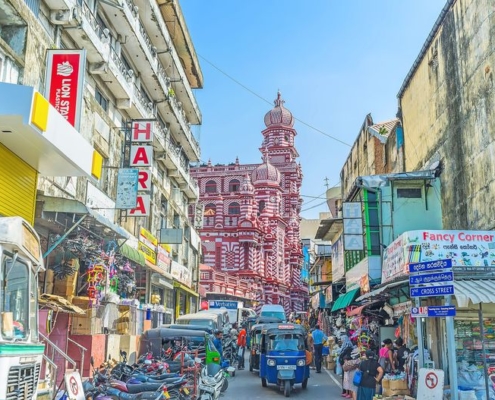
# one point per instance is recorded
(65, 82)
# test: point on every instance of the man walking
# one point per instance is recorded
(318, 338)
(241, 347)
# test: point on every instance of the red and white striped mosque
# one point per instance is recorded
(250, 235)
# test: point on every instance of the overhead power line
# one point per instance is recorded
(269, 102)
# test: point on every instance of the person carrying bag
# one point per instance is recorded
(370, 375)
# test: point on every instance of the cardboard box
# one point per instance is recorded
(123, 328)
(398, 384)
(385, 384)
(331, 366)
(83, 302)
(85, 326)
(65, 287)
(395, 392)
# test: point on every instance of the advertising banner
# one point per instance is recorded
(338, 269)
(127, 188)
(65, 82)
(181, 274)
(469, 251)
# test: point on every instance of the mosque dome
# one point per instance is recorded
(266, 173)
(279, 115)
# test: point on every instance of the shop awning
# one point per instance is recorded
(38, 134)
(345, 300)
(132, 254)
(180, 286)
(476, 291)
(329, 228)
(60, 214)
(382, 289)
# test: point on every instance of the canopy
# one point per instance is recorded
(476, 291)
(345, 300)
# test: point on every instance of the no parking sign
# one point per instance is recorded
(430, 384)
(74, 386)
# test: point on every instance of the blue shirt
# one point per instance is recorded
(318, 337)
(218, 345)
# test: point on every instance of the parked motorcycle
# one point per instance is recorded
(211, 382)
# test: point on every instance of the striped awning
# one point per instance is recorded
(474, 291)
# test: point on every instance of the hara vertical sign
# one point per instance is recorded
(142, 158)
(65, 82)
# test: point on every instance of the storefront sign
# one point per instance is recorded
(163, 260)
(181, 274)
(229, 305)
(142, 157)
(149, 254)
(65, 82)
(353, 226)
(401, 309)
(361, 274)
(469, 251)
(100, 202)
(338, 269)
(328, 294)
(127, 188)
(433, 311)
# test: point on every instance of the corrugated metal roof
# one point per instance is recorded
(476, 291)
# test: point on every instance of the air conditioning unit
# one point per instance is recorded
(70, 17)
(98, 68)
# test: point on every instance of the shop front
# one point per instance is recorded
(186, 299)
(36, 139)
(473, 266)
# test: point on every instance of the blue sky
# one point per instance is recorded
(334, 61)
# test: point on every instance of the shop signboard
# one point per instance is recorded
(162, 259)
(147, 244)
(353, 225)
(65, 82)
(149, 254)
(181, 273)
(127, 188)
(433, 311)
(359, 276)
(229, 305)
(468, 251)
(328, 294)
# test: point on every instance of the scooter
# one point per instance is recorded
(211, 382)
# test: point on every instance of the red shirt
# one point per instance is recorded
(241, 339)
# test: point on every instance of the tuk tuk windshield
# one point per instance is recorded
(211, 345)
(14, 295)
(286, 342)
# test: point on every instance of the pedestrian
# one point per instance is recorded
(386, 355)
(350, 367)
(218, 343)
(401, 354)
(346, 348)
(241, 347)
(318, 338)
(372, 375)
(311, 348)
(234, 332)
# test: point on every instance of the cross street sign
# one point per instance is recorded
(431, 291)
(440, 277)
(430, 266)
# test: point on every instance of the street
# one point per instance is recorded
(247, 386)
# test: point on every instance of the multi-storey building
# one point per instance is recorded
(135, 62)
(251, 215)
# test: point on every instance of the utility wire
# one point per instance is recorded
(269, 102)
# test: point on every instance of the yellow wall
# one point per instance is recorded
(18, 183)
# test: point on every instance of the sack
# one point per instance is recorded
(358, 377)
(240, 351)
(385, 364)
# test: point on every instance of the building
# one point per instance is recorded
(251, 216)
(446, 114)
(126, 73)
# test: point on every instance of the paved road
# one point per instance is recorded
(247, 386)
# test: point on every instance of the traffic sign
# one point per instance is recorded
(430, 266)
(430, 291)
(439, 277)
(433, 311)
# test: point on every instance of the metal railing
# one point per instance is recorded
(83, 352)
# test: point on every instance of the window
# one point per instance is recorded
(409, 193)
(163, 213)
(261, 206)
(176, 221)
(101, 100)
(210, 210)
(14, 296)
(234, 185)
(210, 187)
(234, 209)
(34, 6)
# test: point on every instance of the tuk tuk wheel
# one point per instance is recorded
(305, 383)
(263, 382)
(287, 388)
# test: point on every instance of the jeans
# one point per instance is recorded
(318, 350)
(241, 357)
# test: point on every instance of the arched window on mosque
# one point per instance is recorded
(234, 185)
(234, 209)
(211, 187)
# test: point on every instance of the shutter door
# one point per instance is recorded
(18, 184)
